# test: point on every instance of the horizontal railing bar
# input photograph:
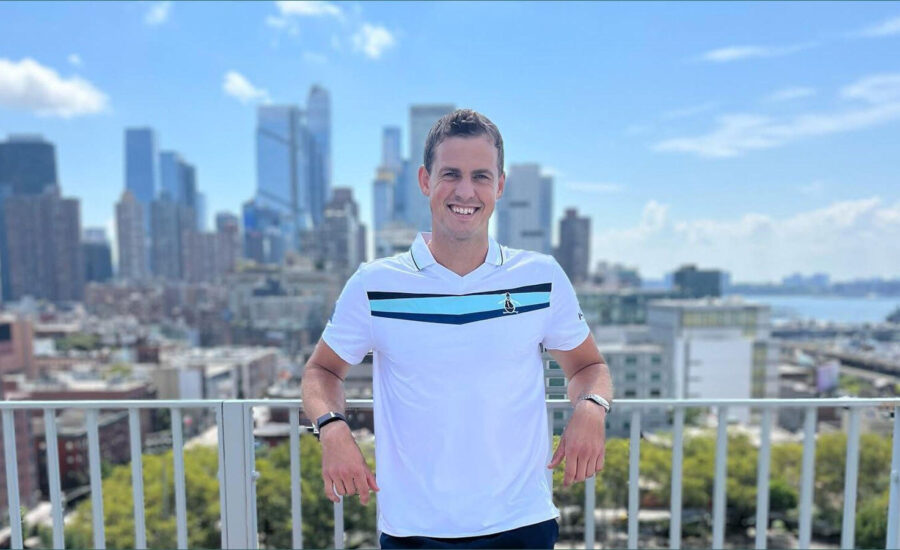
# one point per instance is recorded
(368, 403)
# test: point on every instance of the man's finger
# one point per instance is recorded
(370, 479)
(571, 470)
(329, 490)
(362, 488)
(601, 461)
(558, 455)
(340, 488)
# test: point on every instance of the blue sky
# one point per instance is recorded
(757, 137)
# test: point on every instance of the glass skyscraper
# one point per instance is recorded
(141, 164)
(27, 167)
(318, 115)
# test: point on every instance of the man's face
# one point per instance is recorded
(462, 186)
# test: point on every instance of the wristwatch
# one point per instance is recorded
(326, 418)
(598, 400)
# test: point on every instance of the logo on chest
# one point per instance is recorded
(509, 305)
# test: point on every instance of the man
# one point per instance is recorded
(457, 325)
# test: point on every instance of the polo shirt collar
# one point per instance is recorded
(422, 258)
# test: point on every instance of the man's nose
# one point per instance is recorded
(465, 188)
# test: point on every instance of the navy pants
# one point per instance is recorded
(538, 535)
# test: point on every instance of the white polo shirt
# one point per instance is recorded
(460, 415)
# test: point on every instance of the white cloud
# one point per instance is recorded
(814, 189)
(790, 93)
(736, 134)
(847, 239)
(692, 110)
(309, 8)
(74, 59)
(887, 27)
(283, 23)
(158, 13)
(30, 86)
(877, 88)
(735, 53)
(595, 187)
(373, 40)
(316, 58)
(237, 86)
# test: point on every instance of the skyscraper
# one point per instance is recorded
(524, 212)
(27, 167)
(97, 255)
(141, 165)
(417, 211)
(44, 234)
(574, 245)
(318, 115)
(131, 238)
(172, 226)
(283, 171)
(340, 231)
(228, 231)
(391, 156)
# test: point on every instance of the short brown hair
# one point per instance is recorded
(463, 123)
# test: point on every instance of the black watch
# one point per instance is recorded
(330, 416)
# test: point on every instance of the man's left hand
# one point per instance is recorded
(582, 444)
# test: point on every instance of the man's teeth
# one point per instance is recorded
(459, 210)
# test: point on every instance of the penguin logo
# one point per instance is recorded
(509, 305)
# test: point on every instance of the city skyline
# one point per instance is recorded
(763, 157)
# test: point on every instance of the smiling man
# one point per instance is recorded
(457, 325)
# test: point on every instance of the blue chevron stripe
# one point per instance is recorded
(456, 305)
(461, 319)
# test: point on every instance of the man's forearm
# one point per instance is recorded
(593, 378)
(322, 391)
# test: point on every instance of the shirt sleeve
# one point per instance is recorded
(566, 328)
(349, 331)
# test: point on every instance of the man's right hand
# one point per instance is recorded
(343, 467)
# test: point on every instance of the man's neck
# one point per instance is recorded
(460, 257)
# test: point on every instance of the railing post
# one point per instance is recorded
(893, 528)
(236, 474)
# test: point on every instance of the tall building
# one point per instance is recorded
(574, 245)
(283, 171)
(264, 237)
(97, 254)
(698, 283)
(318, 115)
(44, 233)
(27, 167)
(131, 238)
(382, 204)
(525, 210)
(340, 233)
(172, 226)
(417, 211)
(228, 230)
(142, 165)
(200, 211)
(717, 348)
(391, 157)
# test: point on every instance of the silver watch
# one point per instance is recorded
(598, 400)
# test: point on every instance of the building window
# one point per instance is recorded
(559, 415)
(630, 376)
(655, 376)
(556, 382)
(630, 360)
(655, 393)
(656, 360)
(556, 396)
(630, 393)
(69, 445)
(553, 365)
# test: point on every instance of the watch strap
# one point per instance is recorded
(330, 416)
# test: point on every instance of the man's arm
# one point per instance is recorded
(322, 389)
(583, 443)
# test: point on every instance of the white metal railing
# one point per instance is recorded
(237, 475)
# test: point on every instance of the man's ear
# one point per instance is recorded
(424, 181)
(501, 184)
